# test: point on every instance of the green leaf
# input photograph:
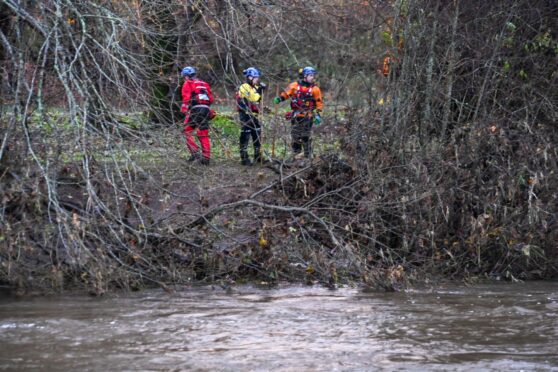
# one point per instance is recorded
(386, 37)
(511, 27)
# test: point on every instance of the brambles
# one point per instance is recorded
(443, 163)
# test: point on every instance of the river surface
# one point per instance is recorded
(293, 328)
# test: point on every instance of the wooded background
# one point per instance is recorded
(446, 161)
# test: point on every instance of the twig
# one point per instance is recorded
(210, 214)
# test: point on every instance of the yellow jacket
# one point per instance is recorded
(249, 92)
(247, 99)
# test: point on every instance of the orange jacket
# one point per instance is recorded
(304, 98)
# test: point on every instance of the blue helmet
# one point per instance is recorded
(189, 71)
(252, 72)
(308, 71)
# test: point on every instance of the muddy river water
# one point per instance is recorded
(485, 327)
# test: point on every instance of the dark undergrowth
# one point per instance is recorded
(441, 164)
(401, 217)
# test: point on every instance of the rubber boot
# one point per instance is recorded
(307, 144)
(195, 156)
(297, 150)
(244, 159)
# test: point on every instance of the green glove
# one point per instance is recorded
(317, 120)
(277, 100)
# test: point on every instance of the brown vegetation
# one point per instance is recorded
(447, 165)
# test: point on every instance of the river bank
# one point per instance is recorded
(139, 215)
(318, 222)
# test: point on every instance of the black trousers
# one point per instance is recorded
(250, 128)
(301, 134)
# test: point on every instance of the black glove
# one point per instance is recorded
(261, 88)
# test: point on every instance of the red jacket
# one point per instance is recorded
(193, 90)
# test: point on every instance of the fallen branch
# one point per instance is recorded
(210, 214)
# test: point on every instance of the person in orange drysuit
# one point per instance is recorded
(307, 105)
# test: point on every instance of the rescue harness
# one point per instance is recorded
(199, 96)
(303, 100)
